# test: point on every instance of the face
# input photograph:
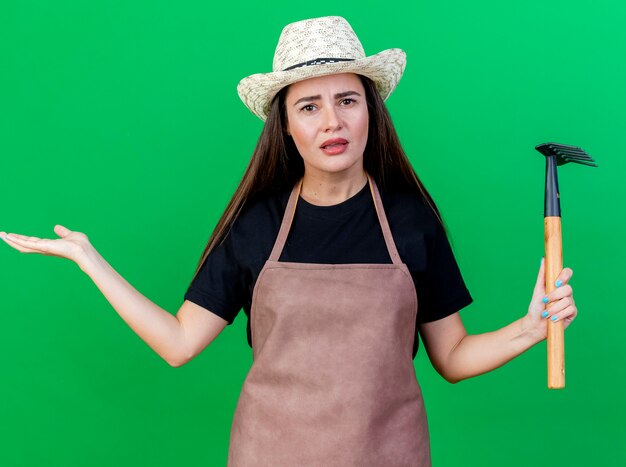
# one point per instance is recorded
(327, 118)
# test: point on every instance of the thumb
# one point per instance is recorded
(61, 231)
(540, 286)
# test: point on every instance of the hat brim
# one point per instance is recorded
(384, 68)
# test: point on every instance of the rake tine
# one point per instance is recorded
(581, 157)
(565, 153)
(574, 156)
(563, 146)
(583, 162)
(570, 151)
(579, 161)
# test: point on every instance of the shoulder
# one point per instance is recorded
(259, 220)
(415, 227)
(263, 206)
(408, 211)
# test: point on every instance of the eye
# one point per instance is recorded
(307, 108)
(346, 101)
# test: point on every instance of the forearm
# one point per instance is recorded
(480, 353)
(159, 329)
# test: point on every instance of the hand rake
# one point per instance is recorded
(556, 154)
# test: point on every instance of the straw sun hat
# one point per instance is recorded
(318, 47)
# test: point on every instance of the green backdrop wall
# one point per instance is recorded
(121, 119)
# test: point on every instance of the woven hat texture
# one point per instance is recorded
(319, 47)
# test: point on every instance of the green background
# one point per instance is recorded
(121, 119)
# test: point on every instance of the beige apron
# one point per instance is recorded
(333, 382)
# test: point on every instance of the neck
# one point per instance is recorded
(327, 189)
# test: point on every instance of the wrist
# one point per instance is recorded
(87, 258)
(528, 330)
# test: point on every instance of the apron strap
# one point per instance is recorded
(384, 224)
(290, 210)
(285, 226)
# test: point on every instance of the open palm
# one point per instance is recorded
(70, 245)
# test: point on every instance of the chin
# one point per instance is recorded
(335, 164)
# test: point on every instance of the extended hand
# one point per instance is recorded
(558, 305)
(71, 245)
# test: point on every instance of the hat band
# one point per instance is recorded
(319, 61)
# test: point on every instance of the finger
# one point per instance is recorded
(559, 305)
(3, 236)
(17, 237)
(561, 292)
(22, 249)
(564, 277)
(569, 312)
(540, 285)
(17, 246)
(33, 244)
(61, 231)
(537, 305)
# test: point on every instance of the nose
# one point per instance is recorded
(331, 121)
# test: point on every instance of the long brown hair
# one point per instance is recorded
(276, 163)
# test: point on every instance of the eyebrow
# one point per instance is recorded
(318, 97)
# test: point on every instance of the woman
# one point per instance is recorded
(329, 270)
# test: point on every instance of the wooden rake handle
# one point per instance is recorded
(556, 338)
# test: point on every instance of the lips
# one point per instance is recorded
(334, 146)
(335, 142)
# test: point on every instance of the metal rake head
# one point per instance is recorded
(565, 154)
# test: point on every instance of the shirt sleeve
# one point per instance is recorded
(219, 285)
(441, 289)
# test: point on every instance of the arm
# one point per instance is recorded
(457, 355)
(177, 339)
